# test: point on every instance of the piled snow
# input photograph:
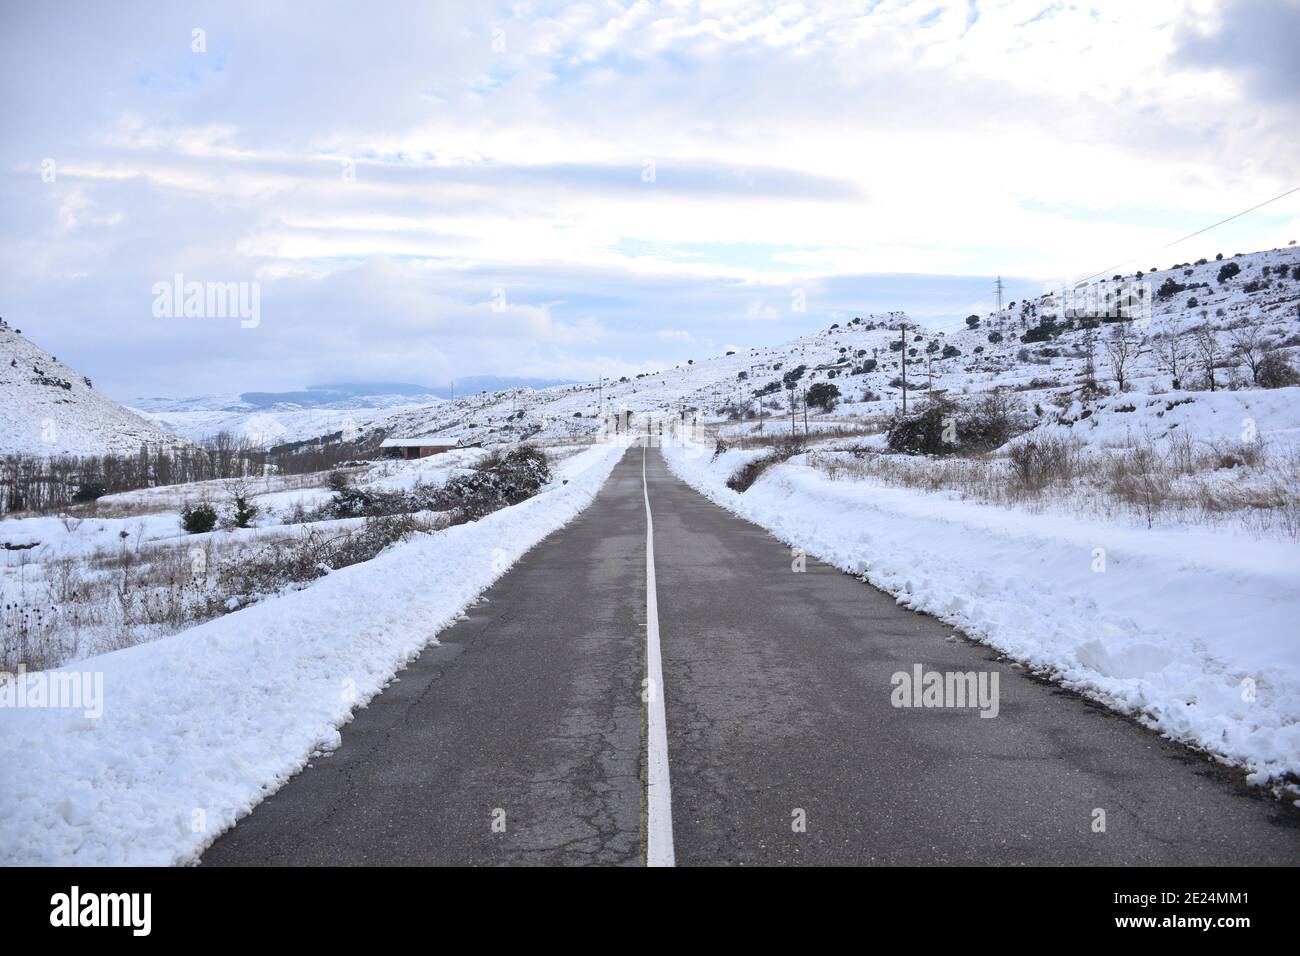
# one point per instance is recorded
(51, 409)
(1193, 631)
(200, 726)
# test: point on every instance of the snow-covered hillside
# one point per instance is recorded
(1257, 307)
(51, 409)
(280, 425)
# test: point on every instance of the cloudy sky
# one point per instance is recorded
(424, 190)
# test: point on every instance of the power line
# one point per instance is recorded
(956, 324)
(1189, 236)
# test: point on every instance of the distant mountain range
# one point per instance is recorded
(343, 396)
(273, 418)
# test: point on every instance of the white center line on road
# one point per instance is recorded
(659, 797)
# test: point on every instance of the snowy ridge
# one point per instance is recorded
(860, 356)
(52, 409)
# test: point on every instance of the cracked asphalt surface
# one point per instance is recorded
(777, 690)
(530, 705)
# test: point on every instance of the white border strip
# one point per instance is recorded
(659, 795)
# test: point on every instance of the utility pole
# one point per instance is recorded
(793, 404)
(453, 389)
(805, 416)
(600, 394)
(999, 287)
(902, 334)
(1089, 368)
(760, 414)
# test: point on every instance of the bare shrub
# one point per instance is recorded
(1037, 463)
(1137, 476)
(314, 553)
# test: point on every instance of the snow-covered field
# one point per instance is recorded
(1191, 630)
(199, 726)
(128, 572)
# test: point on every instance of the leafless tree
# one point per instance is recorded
(1248, 345)
(221, 448)
(1122, 347)
(1208, 351)
(1173, 352)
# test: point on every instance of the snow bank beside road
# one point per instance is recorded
(200, 726)
(1182, 627)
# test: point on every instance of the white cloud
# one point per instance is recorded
(794, 144)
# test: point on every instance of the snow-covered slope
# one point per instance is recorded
(273, 426)
(51, 409)
(863, 359)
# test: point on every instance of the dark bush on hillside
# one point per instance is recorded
(1042, 332)
(1169, 288)
(352, 502)
(925, 432)
(943, 427)
(243, 511)
(823, 395)
(498, 480)
(995, 338)
(951, 351)
(198, 519)
(90, 491)
(1227, 271)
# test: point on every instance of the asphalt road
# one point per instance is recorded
(783, 744)
(531, 706)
